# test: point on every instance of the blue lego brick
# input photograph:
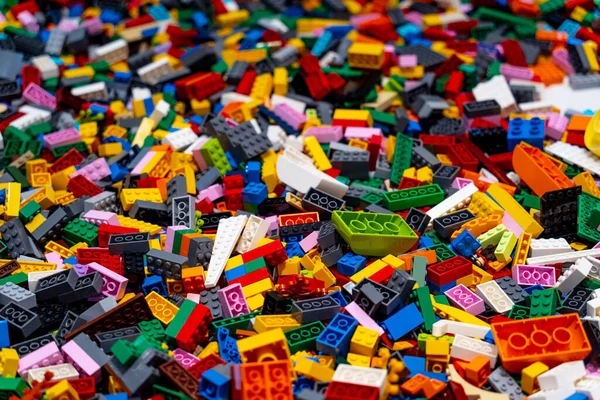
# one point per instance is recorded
(339, 31)
(402, 322)
(409, 31)
(116, 396)
(440, 289)
(433, 375)
(302, 383)
(123, 76)
(293, 249)
(109, 16)
(569, 26)
(124, 143)
(214, 386)
(577, 396)
(159, 12)
(415, 364)
(337, 296)
(228, 349)
(425, 241)
(75, 11)
(253, 171)
(231, 160)
(465, 244)
(2, 196)
(255, 193)
(118, 172)
(235, 273)
(322, 43)
(168, 88)
(335, 339)
(148, 105)
(155, 283)
(71, 260)
(350, 264)
(489, 337)
(529, 131)
(292, 238)
(533, 288)
(4, 338)
(199, 20)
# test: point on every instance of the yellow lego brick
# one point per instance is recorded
(410, 173)
(62, 391)
(483, 206)
(444, 159)
(425, 174)
(366, 55)
(262, 87)
(390, 146)
(162, 309)
(522, 250)
(35, 166)
(127, 297)
(32, 266)
(368, 271)
(232, 40)
(211, 348)
(80, 245)
(510, 205)
(465, 280)
(200, 107)
(79, 72)
(269, 345)
(479, 226)
(263, 323)
(311, 260)
(322, 273)
(480, 276)
(437, 348)
(190, 178)
(394, 262)
(259, 287)
(89, 129)
(313, 370)
(587, 183)
(358, 360)
(353, 115)
(529, 376)
(359, 144)
(291, 266)
(109, 149)
(578, 13)
(298, 44)
(402, 345)
(141, 225)
(232, 18)
(45, 197)
(129, 196)
(9, 360)
(411, 73)
(63, 251)
(114, 130)
(455, 314)
(280, 81)
(143, 132)
(308, 25)
(432, 20)
(364, 341)
(39, 179)
(578, 246)
(179, 160)
(234, 262)
(12, 203)
(65, 198)
(35, 223)
(253, 55)
(158, 166)
(60, 179)
(590, 53)
(314, 150)
(255, 302)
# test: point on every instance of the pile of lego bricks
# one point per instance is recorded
(299, 199)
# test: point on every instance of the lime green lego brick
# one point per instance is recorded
(587, 203)
(213, 154)
(543, 303)
(492, 237)
(442, 252)
(169, 394)
(185, 310)
(424, 337)
(306, 273)
(29, 211)
(304, 338)
(79, 230)
(17, 279)
(402, 157)
(255, 265)
(423, 301)
(374, 234)
(507, 243)
(235, 323)
(10, 386)
(420, 196)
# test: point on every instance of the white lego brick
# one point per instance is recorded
(487, 175)
(560, 393)
(579, 156)
(514, 177)
(255, 230)
(297, 142)
(274, 24)
(113, 52)
(256, 126)
(494, 296)
(466, 349)
(93, 91)
(331, 57)
(47, 67)
(546, 247)
(536, 107)
(277, 136)
(60, 371)
(574, 275)
(138, 93)
(496, 89)
(297, 105)
(445, 326)
(32, 116)
(595, 271)
(593, 307)
(151, 73)
(234, 97)
(228, 233)
(563, 375)
(589, 387)
(563, 257)
(296, 175)
(372, 377)
(160, 111)
(456, 201)
(450, 17)
(1, 142)
(180, 139)
(348, 287)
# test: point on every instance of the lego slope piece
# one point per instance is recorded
(228, 232)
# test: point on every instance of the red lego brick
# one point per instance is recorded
(350, 391)
(195, 330)
(273, 253)
(460, 155)
(103, 257)
(82, 186)
(105, 231)
(373, 147)
(69, 159)
(454, 85)
(208, 362)
(246, 83)
(252, 277)
(30, 74)
(513, 53)
(439, 142)
(449, 270)
(407, 183)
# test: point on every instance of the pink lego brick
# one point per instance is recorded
(325, 134)
(93, 26)
(407, 61)
(560, 57)
(81, 361)
(55, 258)
(411, 84)
(460, 296)
(137, 170)
(45, 356)
(534, 274)
(356, 20)
(67, 25)
(415, 18)
(114, 284)
(362, 317)
(95, 170)
(193, 297)
(233, 301)
(185, 359)
(509, 222)
(212, 192)
(2, 18)
(273, 222)
(365, 134)
(35, 94)
(101, 217)
(512, 72)
(557, 125)
(460, 183)
(289, 115)
(29, 22)
(60, 138)
(309, 242)
(80, 269)
(171, 236)
(199, 159)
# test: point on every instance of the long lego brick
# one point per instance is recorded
(86, 365)
(182, 315)
(516, 211)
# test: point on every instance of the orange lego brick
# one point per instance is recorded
(537, 171)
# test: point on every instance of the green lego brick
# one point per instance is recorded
(35, 147)
(572, 171)
(168, 394)
(220, 67)
(304, 337)
(531, 201)
(235, 323)
(255, 265)
(343, 179)
(441, 299)
(29, 211)
(14, 31)
(12, 386)
(374, 183)
(177, 323)
(371, 198)
(51, 84)
(550, 6)
(3, 248)
(518, 312)
(125, 352)
(79, 230)
(543, 303)
(383, 117)
(374, 234)
(402, 157)
(590, 283)
(489, 14)
(100, 66)
(442, 252)
(178, 237)
(18, 279)
(440, 84)
(167, 121)
(344, 72)
(13, 147)
(213, 154)
(38, 129)
(60, 151)
(493, 69)
(423, 301)
(420, 196)
(13, 133)
(587, 203)
(18, 177)
(435, 238)
(153, 329)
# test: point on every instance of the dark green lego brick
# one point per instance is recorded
(442, 252)
(177, 323)
(587, 203)
(423, 301)
(168, 394)
(420, 196)
(29, 211)
(79, 230)
(62, 150)
(38, 129)
(19, 279)
(402, 157)
(153, 329)
(519, 312)
(18, 177)
(304, 337)
(234, 323)
(255, 265)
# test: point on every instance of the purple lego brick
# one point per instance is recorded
(557, 125)
(81, 361)
(232, 300)
(60, 138)
(407, 61)
(560, 57)
(534, 274)
(289, 115)
(461, 297)
(95, 170)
